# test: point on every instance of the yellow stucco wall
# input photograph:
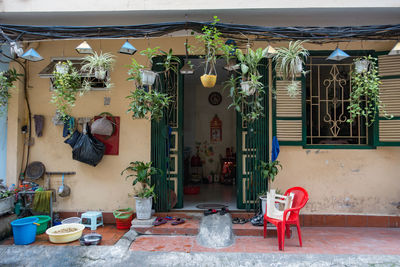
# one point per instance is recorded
(339, 181)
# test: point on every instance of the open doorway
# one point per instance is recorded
(209, 150)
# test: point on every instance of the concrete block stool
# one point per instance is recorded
(92, 219)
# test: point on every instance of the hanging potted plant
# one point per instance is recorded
(289, 64)
(269, 170)
(365, 96)
(144, 193)
(98, 64)
(211, 37)
(148, 76)
(361, 65)
(7, 79)
(66, 85)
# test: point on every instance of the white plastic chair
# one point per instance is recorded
(273, 210)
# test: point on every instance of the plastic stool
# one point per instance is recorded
(92, 219)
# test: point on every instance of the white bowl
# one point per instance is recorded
(65, 237)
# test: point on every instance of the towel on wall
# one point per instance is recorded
(275, 149)
(39, 124)
(41, 201)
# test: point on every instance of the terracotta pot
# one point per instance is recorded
(208, 81)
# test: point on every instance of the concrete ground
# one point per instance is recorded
(381, 248)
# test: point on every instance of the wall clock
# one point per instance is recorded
(215, 98)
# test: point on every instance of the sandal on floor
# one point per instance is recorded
(236, 220)
(223, 211)
(210, 211)
(159, 221)
(178, 221)
(243, 221)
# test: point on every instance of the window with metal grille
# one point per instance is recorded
(328, 88)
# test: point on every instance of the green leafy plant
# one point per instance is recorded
(67, 85)
(150, 54)
(211, 37)
(7, 79)
(6, 194)
(134, 72)
(142, 173)
(169, 62)
(269, 170)
(364, 98)
(289, 63)
(148, 104)
(99, 65)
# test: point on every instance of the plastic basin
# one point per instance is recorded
(55, 237)
(24, 230)
(71, 220)
(43, 221)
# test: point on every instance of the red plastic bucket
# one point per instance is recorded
(124, 223)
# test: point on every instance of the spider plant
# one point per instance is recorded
(98, 64)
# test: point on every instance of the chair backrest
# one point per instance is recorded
(299, 201)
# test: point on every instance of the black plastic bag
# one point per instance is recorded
(73, 138)
(88, 149)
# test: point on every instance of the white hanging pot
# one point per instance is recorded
(298, 67)
(247, 88)
(61, 68)
(361, 66)
(148, 77)
(100, 73)
(143, 208)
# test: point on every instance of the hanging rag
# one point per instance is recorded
(69, 126)
(41, 201)
(39, 123)
(275, 149)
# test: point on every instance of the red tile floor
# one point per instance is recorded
(110, 236)
(316, 240)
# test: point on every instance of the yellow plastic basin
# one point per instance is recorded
(55, 237)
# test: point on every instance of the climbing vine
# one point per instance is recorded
(7, 78)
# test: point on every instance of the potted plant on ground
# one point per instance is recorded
(144, 193)
(269, 170)
(7, 78)
(6, 199)
(66, 85)
(365, 95)
(211, 37)
(289, 64)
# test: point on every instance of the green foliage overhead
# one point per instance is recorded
(364, 98)
(7, 79)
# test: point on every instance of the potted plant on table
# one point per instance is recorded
(144, 193)
(289, 64)
(269, 170)
(211, 37)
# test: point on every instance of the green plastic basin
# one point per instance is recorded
(44, 223)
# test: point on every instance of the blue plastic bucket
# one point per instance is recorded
(24, 230)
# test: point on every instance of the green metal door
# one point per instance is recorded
(252, 147)
(166, 144)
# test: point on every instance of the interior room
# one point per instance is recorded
(209, 141)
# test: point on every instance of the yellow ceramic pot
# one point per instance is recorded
(55, 237)
(208, 80)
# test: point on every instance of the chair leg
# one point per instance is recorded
(288, 231)
(283, 236)
(278, 234)
(265, 228)
(299, 233)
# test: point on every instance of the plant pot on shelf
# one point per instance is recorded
(148, 77)
(100, 73)
(208, 81)
(247, 88)
(361, 66)
(143, 208)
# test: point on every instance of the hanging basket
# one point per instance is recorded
(247, 88)
(148, 77)
(100, 73)
(361, 66)
(208, 81)
(298, 68)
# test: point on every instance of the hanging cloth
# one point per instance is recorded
(39, 123)
(275, 149)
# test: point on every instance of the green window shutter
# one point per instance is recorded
(389, 129)
(287, 114)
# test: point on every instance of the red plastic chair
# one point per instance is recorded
(299, 201)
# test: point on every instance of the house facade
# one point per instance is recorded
(347, 169)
